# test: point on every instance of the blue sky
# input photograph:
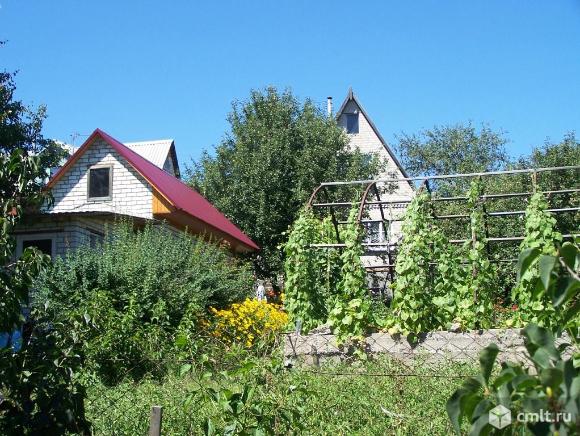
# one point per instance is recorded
(147, 70)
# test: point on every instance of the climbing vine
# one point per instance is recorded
(540, 234)
(421, 299)
(328, 264)
(438, 285)
(304, 301)
(350, 315)
(481, 275)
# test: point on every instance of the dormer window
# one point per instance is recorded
(352, 123)
(100, 183)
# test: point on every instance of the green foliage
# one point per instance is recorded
(128, 299)
(553, 384)
(306, 282)
(25, 158)
(325, 401)
(563, 153)
(540, 234)
(40, 385)
(482, 277)
(556, 283)
(350, 316)
(325, 285)
(40, 394)
(453, 149)
(279, 149)
(243, 412)
(423, 292)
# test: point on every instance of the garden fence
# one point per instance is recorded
(125, 406)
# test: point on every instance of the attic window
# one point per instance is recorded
(352, 123)
(100, 182)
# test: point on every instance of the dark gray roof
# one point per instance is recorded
(351, 96)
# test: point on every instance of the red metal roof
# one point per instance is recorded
(181, 196)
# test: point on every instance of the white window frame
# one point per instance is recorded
(96, 167)
(382, 237)
(32, 237)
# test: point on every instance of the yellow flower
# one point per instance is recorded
(247, 322)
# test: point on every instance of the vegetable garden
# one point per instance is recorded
(452, 264)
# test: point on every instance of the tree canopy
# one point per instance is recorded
(450, 149)
(40, 393)
(278, 150)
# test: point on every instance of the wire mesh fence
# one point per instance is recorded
(302, 373)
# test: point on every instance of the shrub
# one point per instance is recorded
(127, 299)
(248, 323)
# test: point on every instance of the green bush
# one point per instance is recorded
(128, 298)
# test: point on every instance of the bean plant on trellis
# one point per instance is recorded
(540, 234)
(326, 285)
(304, 301)
(425, 269)
(350, 316)
(481, 275)
(436, 284)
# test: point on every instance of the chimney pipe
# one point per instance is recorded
(329, 106)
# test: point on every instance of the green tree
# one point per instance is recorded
(450, 149)
(25, 159)
(557, 154)
(39, 392)
(278, 150)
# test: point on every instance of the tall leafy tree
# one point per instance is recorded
(25, 159)
(451, 149)
(38, 391)
(278, 150)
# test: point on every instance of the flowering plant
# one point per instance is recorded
(248, 323)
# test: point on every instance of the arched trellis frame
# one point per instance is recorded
(388, 247)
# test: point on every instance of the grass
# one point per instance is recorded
(364, 398)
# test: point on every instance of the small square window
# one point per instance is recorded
(44, 245)
(352, 123)
(100, 183)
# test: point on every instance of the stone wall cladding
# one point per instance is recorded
(132, 195)
(431, 347)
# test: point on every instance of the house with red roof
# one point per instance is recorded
(105, 180)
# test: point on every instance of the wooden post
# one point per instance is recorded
(155, 422)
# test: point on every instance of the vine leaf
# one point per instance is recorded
(487, 360)
(525, 259)
(547, 264)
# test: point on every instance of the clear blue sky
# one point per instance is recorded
(154, 69)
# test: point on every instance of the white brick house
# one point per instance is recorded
(104, 180)
(365, 136)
